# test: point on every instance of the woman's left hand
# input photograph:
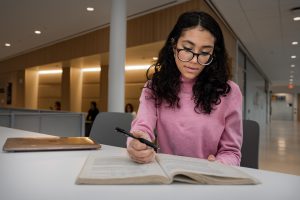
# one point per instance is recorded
(211, 158)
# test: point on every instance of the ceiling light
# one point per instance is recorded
(291, 80)
(295, 11)
(37, 32)
(292, 65)
(296, 18)
(94, 69)
(294, 43)
(56, 71)
(7, 44)
(155, 58)
(291, 76)
(90, 9)
(293, 56)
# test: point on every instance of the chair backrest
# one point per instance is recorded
(250, 147)
(103, 128)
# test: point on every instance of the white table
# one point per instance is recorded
(52, 175)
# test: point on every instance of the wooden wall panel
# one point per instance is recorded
(140, 30)
(135, 76)
(91, 90)
(47, 103)
(88, 44)
(50, 91)
(133, 90)
(91, 77)
(49, 79)
(31, 88)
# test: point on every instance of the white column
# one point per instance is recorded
(117, 52)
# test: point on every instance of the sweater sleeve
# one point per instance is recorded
(229, 148)
(145, 120)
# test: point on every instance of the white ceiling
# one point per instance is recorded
(265, 27)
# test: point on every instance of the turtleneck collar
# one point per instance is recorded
(187, 84)
(186, 80)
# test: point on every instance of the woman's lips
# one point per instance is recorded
(191, 69)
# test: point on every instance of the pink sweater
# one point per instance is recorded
(181, 131)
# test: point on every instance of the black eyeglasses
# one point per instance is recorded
(186, 55)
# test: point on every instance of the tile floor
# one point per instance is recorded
(279, 148)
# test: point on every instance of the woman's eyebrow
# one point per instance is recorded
(188, 41)
(208, 46)
(192, 43)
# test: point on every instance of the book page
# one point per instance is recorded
(116, 167)
(193, 170)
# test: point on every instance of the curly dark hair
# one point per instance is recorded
(210, 84)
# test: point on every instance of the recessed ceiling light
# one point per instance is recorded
(292, 65)
(296, 18)
(294, 43)
(295, 11)
(37, 32)
(291, 76)
(7, 44)
(90, 9)
(291, 79)
(293, 56)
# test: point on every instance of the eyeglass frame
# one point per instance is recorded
(211, 56)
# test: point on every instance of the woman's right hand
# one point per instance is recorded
(138, 151)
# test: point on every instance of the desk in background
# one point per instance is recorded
(51, 176)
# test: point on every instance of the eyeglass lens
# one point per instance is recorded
(202, 58)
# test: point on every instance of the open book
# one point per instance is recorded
(115, 167)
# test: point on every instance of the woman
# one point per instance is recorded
(92, 112)
(195, 109)
(129, 109)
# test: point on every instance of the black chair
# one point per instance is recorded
(103, 128)
(250, 146)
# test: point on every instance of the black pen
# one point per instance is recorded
(142, 140)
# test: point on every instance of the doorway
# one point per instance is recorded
(282, 106)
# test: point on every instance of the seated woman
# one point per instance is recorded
(93, 112)
(129, 109)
